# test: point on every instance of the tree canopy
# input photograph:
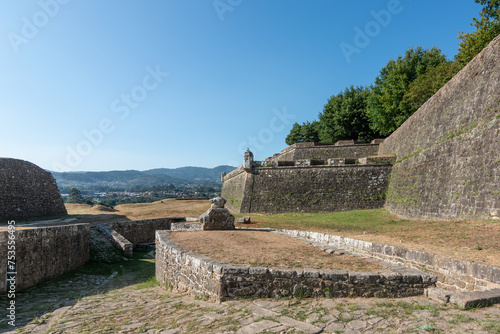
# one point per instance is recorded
(387, 109)
(487, 28)
(344, 116)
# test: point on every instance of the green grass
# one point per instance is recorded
(376, 220)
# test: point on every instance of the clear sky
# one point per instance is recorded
(122, 84)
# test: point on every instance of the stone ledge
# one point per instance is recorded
(465, 300)
(185, 227)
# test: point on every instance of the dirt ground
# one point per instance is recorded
(266, 249)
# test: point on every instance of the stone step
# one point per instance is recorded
(465, 300)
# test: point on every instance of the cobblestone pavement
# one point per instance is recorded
(119, 305)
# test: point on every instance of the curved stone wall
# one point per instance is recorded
(27, 191)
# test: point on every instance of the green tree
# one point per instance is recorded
(487, 28)
(307, 132)
(75, 196)
(310, 132)
(387, 109)
(344, 116)
(294, 136)
(427, 84)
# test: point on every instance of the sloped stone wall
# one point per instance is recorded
(313, 189)
(27, 191)
(448, 152)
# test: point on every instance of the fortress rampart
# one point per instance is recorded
(448, 152)
(340, 183)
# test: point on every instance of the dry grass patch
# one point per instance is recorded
(266, 249)
(469, 240)
(138, 211)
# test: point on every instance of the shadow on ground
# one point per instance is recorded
(99, 276)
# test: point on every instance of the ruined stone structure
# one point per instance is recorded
(217, 217)
(27, 191)
(310, 177)
(447, 161)
(449, 151)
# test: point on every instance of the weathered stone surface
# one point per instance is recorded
(185, 227)
(447, 273)
(448, 150)
(117, 239)
(200, 276)
(243, 220)
(217, 219)
(476, 298)
(306, 189)
(143, 230)
(438, 294)
(27, 191)
(45, 253)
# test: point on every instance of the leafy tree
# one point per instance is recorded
(344, 116)
(307, 132)
(310, 132)
(427, 84)
(387, 109)
(487, 28)
(294, 136)
(75, 196)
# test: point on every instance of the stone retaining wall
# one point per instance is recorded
(198, 275)
(452, 274)
(45, 253)
(143, 230)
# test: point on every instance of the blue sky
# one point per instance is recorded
(122, 84)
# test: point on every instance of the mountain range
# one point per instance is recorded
(129, 178)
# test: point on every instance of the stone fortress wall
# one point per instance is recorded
(448, 152)
(27, 191)
(311, 177)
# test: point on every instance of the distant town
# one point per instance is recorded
(141, 194)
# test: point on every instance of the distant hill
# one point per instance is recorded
(107, 181)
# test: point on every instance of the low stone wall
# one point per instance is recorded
(198, 275)
(143, 230)
(185, 272)
(452, 274)
(44, 253)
